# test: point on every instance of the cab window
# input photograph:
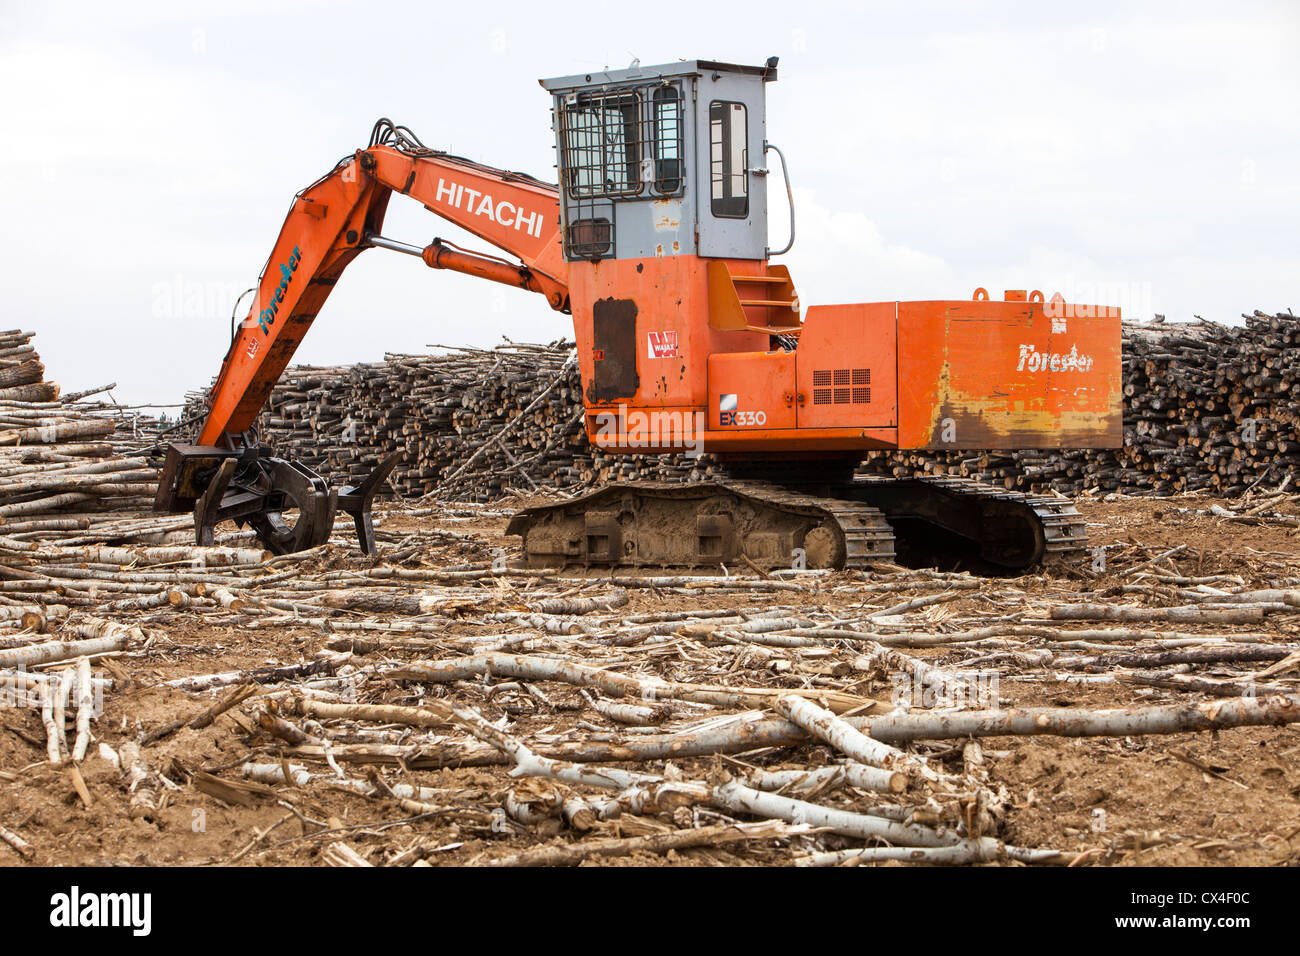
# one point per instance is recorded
(728, 159)
(667, 104)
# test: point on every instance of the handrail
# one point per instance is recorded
(789, 193)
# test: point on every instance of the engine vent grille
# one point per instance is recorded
(823, 394)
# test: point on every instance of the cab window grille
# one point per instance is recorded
(603, 138)
(590, 238)
(668, 143)
(617, 145)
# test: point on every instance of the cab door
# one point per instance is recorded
(732, 200)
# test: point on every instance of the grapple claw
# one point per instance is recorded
(294, 485)
(356, 500)
(208, 506)
(252, 488)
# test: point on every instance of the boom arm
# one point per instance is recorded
(341, 214)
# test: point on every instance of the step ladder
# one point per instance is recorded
(761, 298)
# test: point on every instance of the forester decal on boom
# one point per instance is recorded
(661, 345)
(266, 318)
(503, 213)
(1035, 361)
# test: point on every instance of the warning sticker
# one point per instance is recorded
(660, 345)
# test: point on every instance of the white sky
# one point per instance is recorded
(1146, 158)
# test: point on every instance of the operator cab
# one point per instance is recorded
(663, 161)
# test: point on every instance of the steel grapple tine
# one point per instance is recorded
(356, 500)
(207, 508)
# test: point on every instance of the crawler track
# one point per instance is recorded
(1010, 529)
(703, 524)
(768, 525)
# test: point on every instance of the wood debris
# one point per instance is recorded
(618, 720)
(436, 704)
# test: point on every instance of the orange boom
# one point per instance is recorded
(690, 339)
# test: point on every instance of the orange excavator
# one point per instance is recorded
(690, 339)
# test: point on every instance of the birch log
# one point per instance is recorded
(618, 685)
(85, 708)
(849, 741)
(573, 854)
(48, 653)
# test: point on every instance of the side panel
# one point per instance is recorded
(751, 390)
(654, 227)
(672, 333)
(847, 374)
(1005, 375)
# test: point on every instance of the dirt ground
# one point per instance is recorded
(1222, 798)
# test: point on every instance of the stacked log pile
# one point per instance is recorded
(1208, 407)
(478, 423)
(67, 462)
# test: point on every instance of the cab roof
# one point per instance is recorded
(632, 74)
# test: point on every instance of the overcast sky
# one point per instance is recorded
(1143, 155)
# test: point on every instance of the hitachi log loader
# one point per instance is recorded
(689, 338)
